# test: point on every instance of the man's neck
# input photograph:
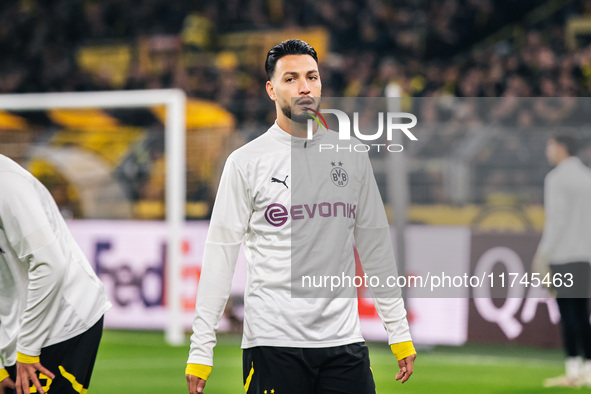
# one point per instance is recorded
(298, 130)
(563, 159)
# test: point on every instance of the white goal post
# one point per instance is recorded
(175, 150)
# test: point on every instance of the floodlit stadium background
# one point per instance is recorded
(486, 184)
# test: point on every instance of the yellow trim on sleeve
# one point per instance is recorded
(199, 370)
(402, 350)
(3, 374)
(23, 358)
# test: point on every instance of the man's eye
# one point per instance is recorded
(289, 80)
(314, 77)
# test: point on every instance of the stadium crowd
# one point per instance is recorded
(419, 43)
(424, 47)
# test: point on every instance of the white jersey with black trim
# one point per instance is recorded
(48, 290)
(330, 201)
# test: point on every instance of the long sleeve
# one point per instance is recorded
(229, 221)
(555, 208)
(372, 237)
(31, 236)
(1, 361)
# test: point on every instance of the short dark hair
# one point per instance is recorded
(289, 47)
(568, 140)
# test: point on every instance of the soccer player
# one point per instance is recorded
(565, 251)
(51, 302)
(296, 344)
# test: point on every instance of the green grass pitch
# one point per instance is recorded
(132, 362)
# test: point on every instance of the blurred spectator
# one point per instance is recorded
(425, 48)
(415, 43)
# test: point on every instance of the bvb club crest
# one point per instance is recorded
(338, 175)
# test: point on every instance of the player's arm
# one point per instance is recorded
(374, 245)
(229, 220)
(30, 235)
(26, 372)
(5, 381)
(555, 207)
(406, 354)
(197, 375)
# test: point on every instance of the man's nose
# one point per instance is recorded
(304, 88)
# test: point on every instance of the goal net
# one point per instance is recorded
(101, 154)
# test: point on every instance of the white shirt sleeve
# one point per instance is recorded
(30, 234)
(555, 208)
(229, 221)
(374, 245)
(2, 366)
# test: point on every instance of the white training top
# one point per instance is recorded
(567, 207)
(277, 191)
(48, 290)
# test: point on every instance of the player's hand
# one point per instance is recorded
(6, 383)
(25, 373)
(195, 384)
(540, 264)
(406, 366)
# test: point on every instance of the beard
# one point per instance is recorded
(301, 117)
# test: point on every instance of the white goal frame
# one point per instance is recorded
(175, 144)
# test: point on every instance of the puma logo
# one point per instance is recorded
(280, 181)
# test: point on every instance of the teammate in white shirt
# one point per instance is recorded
(51, 302)
(565, 251)
(297, 212)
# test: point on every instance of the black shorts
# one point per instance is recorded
(330, 370)
(572, 279)
(70, 361)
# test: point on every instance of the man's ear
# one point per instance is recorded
(271, 91)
